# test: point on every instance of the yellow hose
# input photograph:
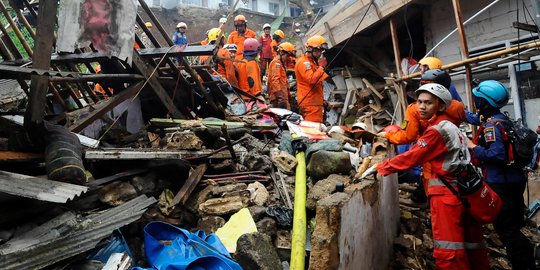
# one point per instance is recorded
(299, 215)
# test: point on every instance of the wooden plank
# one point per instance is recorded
(395, 44)
(346, 16)
(372, 89)
(43, 44)
(154, 83)
(190, 185)
(20, 156)
(365, 62)
(330, 35)
(107, 106)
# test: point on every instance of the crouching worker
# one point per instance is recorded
(457, 236)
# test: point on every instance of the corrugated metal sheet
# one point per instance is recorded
(75, 239)
(38, 188)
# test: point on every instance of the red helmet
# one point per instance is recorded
(251, 45)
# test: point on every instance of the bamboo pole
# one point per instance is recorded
(483, 57)
(465, 52)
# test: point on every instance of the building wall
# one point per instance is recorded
(492, 26)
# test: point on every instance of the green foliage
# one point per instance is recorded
(11, 33)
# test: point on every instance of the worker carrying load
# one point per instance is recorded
(309, 79)
(278, 83)
(240, 35)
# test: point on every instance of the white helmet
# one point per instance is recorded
(230, 47)
(266, 25)
(222, 20)
(436, 90)
(181, 24)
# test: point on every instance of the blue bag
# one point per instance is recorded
(168, 247)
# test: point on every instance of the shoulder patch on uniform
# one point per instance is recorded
(278, 65)
(489, 134)
(307, 65)
(421, 143)
(404, 124)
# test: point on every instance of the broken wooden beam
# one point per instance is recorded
(106, 106)
(190, 185)
(156, 86)
(8, 156)
(43, 44)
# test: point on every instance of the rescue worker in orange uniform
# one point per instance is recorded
(457, 237)
(240, 35)
(213, 36)
(309, 79)
(249, 73)
(278, 83)
(225, 66)
(413, 126)
(277, 37)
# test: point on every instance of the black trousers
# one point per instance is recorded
(510, 221)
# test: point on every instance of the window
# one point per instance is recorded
(273, 8)
(156, 3)
(295, 12)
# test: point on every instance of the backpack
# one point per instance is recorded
(520, 140)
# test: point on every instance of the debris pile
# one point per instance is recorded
(414, 246)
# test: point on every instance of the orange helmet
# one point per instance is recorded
(431, 62)
(279, 33)
(98, 69)
(240, 18)
(316, 41)
(287, 47)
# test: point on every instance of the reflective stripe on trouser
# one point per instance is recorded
(457, 237)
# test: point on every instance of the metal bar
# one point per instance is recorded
(43, 44)
(84, 85)
(129, 154)
(109, 105)
(99, 78)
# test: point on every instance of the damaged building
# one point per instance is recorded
(121, 150)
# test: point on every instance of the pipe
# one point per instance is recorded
(298, 242)
(476, 59)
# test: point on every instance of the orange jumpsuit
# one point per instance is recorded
(238, 39)
(309, 78)
(249, 77)
(278, 85)
(226, 68)
(274, 44)
(413, 125)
